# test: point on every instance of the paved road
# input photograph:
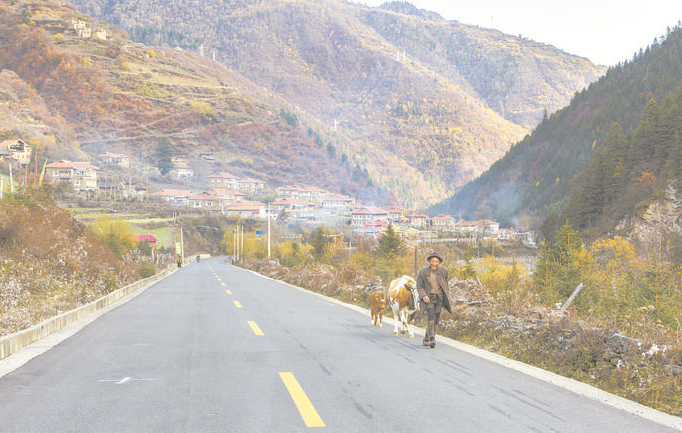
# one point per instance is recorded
(214, 348)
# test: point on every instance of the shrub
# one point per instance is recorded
(147, 269)
(115, 233)
(110, 283)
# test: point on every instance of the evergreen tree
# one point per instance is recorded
(559, 270)
(390, 244)
(164, 155)
(647, 139)
(592, 190)
(468, 272)
(319, 242)
(618, 169)
(549, 226)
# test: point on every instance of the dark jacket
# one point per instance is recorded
(424, 286)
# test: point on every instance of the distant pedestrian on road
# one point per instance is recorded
(432, 285)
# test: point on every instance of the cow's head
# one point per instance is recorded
(380, 302)
(411, 285)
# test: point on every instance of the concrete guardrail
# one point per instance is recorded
(14, 342)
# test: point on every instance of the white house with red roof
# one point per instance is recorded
(315, 194)
(418, 219)
(205, 201)
(246, 209)
(228, 195)
(294, 207)
(225, 180)
(369, 214)
(463, 226)
(336, 204)
(491, 227)
(177, 197)
(396, 214)
(81, 175)
(115, 159)
(288, 191)
(182, 170)
(15, 150)
(251, 186)
(443, 222)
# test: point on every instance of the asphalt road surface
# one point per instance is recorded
(214, 348)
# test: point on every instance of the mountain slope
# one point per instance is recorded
(414, 122)
(518, 78)
(75, 97)
(538, 173)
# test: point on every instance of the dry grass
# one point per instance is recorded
(50, 263)
(647, 370)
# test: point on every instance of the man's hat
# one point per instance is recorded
(434, 254)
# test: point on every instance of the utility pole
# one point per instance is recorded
(416, 247)
(350, 245)
(269, 230)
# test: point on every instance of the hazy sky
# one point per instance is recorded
(604, 31)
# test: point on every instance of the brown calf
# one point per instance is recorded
(377, 306)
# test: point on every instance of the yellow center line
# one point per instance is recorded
(222, 284)
(305, 407)
(255, 328)
(228, 292)
(237, 304)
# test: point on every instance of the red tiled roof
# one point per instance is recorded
(144, 238)
(63, 163)
(174, 193)
(223, 191)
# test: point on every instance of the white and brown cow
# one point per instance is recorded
(404, 301)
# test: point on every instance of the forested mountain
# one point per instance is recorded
(615, 123)
(629, 173)
(420, 104)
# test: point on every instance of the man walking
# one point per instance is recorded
(432, 285)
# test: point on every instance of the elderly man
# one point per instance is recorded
(432, 285)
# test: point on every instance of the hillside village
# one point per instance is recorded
(230, 195)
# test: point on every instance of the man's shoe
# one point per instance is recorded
(426, 343)
(432, 343)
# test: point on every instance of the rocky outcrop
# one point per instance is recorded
(654, 224)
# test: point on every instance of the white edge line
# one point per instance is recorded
(572, 385)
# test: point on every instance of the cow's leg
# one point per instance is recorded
(381, 319)
(409, 325)
(396, 316)
(405, 320)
